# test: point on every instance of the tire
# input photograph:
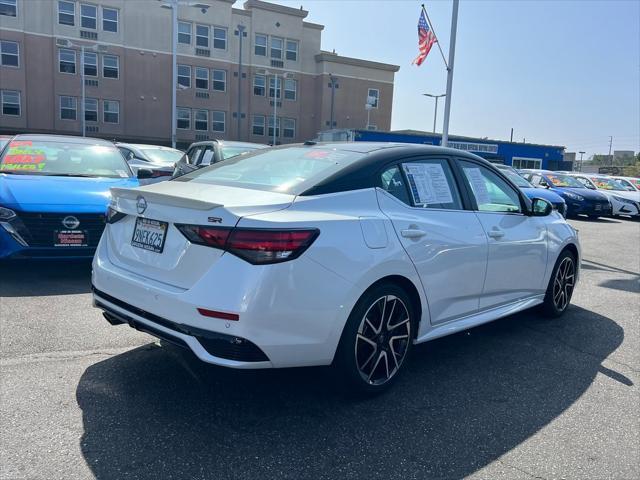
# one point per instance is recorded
(561, 284)
(594, 217)
(380, 328)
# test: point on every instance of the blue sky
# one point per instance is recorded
(558, 72)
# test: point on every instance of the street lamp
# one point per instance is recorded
(173, 6)
(285, 75)
(240, 32)
(435, 112)
(334, 83)
(94, 47)
(581, 154)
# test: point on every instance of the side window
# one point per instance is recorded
(393, 183)
(491, 192)
(126, 153)
(193, 154)
(206, 158)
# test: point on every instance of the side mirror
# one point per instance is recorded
(541, 207)
(144, 173)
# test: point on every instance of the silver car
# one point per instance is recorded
(159, 160)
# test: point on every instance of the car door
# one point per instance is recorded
(517, 259)
(446, 243)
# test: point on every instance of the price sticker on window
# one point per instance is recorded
(428, 183)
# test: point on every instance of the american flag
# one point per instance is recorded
(426, 39)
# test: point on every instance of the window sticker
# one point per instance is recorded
(428, 183)
(478, 185)
(206, 157)
(23, 156)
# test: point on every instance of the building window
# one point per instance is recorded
(372, 97)
(257, 127)
(110, 66)
(260, 47)
(202, 36)
(220, 80)
(288, 128)
(184, 33)
(67, 61)
(184, 118)
(110, 111)
(272, 84)
(110, 19)
(270, 122)
(201, 120)
(66, 13)
(91, 109)
(89, 16)
(292, 50)
(220, 38)
(290, 89)
(90, 61)
(217, 121)
(68, 108)
(9, 54)
(8, 8)
(184, 76)
(259, 85)
(10, 102)
(276, 48)
(202, 78)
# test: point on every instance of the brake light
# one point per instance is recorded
(256, 246)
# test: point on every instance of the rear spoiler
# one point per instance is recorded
(162, 198)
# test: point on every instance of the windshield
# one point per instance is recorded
(63, 159)
(229, 152)
(558, 180)
(516, 178)
(161, 155)
(607, 184)
(278, 170)
(3, 142)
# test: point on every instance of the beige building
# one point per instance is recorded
(127, 69)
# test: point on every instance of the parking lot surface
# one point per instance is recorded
(520, 398)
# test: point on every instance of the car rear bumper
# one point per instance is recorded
(283, 322)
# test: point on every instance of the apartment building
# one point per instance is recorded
(233, 65)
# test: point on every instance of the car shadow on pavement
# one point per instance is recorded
(465, 400)
(43, 278)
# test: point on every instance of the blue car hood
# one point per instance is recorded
(583, 192)
(58, 194)
(543, 193)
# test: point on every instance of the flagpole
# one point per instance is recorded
(452, 54)
(434, 34)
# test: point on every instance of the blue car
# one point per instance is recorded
(532, 192)
(54, 194)
(580, 200)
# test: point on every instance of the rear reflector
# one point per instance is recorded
(256, 246)
(215, 314)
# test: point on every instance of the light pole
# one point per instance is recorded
(240, 33)
(581, 154)
(94, 47)
(173, 6)
(435, 112)
(334, 82)
(284, 75)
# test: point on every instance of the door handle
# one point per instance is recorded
(413, 233)
(496, 234)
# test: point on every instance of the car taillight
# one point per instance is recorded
(256, 246)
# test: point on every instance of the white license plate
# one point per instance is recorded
(149, 234)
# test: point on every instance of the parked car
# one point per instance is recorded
(343, 254)
(623, 202)
(54, 192)
(160, 160)
(579, 199)
(4, 139)
(203, 154)
(532, 192)
(632, 184)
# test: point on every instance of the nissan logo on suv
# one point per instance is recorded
(70, 222)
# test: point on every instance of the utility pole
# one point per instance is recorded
(334, 81)
(581, 154)
(240, 33)
(452, 54)
(511, 135)
(610, 143)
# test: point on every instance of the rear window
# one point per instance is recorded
(287, 170)
(159, 155)
(71, 159)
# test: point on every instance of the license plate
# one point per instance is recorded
(70, 238)
(149, 234)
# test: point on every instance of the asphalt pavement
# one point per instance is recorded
(520, 398)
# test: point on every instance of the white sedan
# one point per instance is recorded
(623, 201)
(343, 254)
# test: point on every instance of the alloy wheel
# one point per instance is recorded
(563, 283)
(382, 341)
